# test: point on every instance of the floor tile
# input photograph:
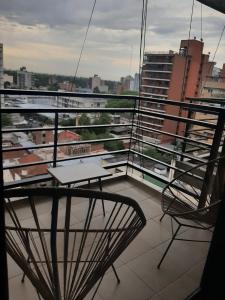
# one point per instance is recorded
(145, 266)
(150, 209)
(130, 287)
(155, 234)
(184, 254)
(180, 289)
(21, 291)
(196, 272)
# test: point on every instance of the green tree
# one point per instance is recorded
(84, 120)
(134, 93)
(105, 118)
(53, 87)
(6, 120)
(102, 120)
(96, 90)
(113, 145)
(68, 122)
(123, 103)
(154, 153)
(87, 135)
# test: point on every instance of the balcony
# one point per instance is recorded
(140, 279)
(133, 175)
(155, 86)
(156, 79)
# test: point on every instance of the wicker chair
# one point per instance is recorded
(68, 258)
(182, 199)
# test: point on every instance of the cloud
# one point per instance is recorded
(46, 35)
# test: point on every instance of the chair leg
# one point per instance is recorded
(100, 281)
(161, 217)
(28, 261)
(167, 249)
(117, 276)
(39, 296)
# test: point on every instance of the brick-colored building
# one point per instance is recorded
(64, 136)
(47, 136)
(172, 76)
(24, 172)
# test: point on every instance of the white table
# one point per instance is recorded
(67, 175)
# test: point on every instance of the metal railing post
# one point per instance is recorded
(213, 154)
(131, 133)
(55, 139)
(3, 257)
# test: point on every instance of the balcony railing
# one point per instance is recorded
(180, 141)
(190, 144)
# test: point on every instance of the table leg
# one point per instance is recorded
(100, 186)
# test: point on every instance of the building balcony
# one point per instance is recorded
(155, 86)
(157, 71)
(132, 174)
(156, 79)
(154, 95)
(157, 63)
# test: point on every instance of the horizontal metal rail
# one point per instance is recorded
(188, 140)
(175, 118)
(164, 149)
(147, 172)
(164, 164)
(48, 177)
(43, 162)
(81, 142)
(160, 178)
(65, 110)
(102, 110)
(50, 128)
(141, 112)
(154, 159)
(109, 96)
(213, 100)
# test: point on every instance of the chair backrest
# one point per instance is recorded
(66, 239)
(182, 195)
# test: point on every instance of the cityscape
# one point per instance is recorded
(160, 79)
(112, 150)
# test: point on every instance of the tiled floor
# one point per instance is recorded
(178, 276)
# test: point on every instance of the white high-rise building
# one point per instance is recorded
(24, 78)
(95, 82)
(136, 82)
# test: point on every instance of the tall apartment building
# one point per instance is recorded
(213, 88)
(136, 82)
(24, 79)
(173, 76)
(1, 67)
(97, 82)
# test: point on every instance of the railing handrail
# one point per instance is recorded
(135, 110)
(183, 104)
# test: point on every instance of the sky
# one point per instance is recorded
(46, 35)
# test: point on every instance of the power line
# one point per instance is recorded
(201, 22)
(186, 62)
(82, 48)
(221, 35)
(213, 59)
(141, 57)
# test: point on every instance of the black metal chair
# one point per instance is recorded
(67, 261)
(182, 199)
